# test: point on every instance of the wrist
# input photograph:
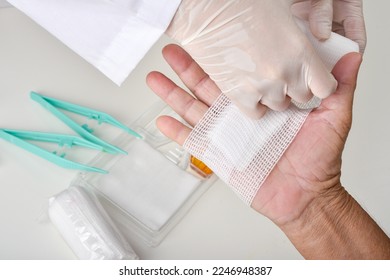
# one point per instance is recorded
(322, 207)
(322, 215)
(334, 226)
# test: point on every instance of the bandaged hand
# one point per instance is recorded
(303, 194)
(310, 166)
(253, 50)
(344, 17)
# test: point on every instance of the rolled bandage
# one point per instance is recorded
(86, 227)
(243, 151)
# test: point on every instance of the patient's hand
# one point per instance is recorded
(303, 194)
(310, 167)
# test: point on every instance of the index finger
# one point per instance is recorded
(191, 74)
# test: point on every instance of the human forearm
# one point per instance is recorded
(335, 226)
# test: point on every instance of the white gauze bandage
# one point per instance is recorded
(243, 151)
(86, 226)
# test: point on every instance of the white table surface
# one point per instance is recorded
(219, 226)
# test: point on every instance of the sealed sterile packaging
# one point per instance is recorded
(151, 188)
(86, 226)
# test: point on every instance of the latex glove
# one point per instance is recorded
(253, 50)
(344, 17)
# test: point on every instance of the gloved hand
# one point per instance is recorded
(253, 50)
(344, 17)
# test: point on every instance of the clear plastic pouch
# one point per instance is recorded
(149, 190)
(86, 226)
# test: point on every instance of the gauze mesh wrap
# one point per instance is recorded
(243, 151)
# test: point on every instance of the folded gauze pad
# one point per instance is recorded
(243, 151)
(86, 227)
(146, 185)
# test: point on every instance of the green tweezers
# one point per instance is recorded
(18, 138)
(84, 131)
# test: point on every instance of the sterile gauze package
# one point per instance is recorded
(243, 151)
(146, 185)
(86, 226)
(151, 188)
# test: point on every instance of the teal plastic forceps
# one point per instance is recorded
(86, 139)
(84, 131)
(18, 138)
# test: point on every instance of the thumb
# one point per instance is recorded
(346, 73)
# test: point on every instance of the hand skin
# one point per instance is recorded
(303, 195)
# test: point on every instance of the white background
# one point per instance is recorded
(219, 226)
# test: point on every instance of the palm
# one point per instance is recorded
(308, 165)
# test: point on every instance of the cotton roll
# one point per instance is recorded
(86, 226)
